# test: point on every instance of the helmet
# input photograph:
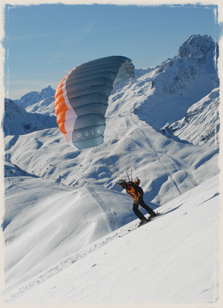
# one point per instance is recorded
(122, 183)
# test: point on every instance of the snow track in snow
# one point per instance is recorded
(110, 217)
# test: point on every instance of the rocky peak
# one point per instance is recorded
(46, 92)
(196, 46)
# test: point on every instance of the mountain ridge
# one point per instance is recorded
(17, 121)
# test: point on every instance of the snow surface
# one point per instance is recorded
(64, 211)
(201, 123)
(172, 260)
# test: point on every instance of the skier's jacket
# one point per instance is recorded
(134, 190)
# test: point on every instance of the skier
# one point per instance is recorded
(137, 193)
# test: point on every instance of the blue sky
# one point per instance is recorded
(43, 42)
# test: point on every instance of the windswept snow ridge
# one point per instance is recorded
(201, 123)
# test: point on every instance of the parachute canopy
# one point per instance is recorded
(81, 99)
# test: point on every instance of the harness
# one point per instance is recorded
(134, 190)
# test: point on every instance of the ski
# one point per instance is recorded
(148, 220)
(137, 226)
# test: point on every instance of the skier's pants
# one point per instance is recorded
(137, 211)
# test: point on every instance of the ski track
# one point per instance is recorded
(109, 216)
(159, 159)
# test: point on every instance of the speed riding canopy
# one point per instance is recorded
(81, 99)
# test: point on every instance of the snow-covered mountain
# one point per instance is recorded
(201, 123)
(16, 121)
(61, 204)
(39, 102)
(163, 95)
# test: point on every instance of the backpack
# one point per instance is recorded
(137, 188)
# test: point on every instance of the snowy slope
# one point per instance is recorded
(49, 221)
(171, 260)
(166, 167)
(201, 124)
(11, 170)
(16, 121)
